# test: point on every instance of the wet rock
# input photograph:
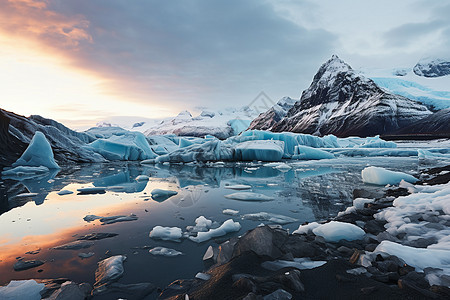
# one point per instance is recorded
(108, 271)
(176, 288)
(374, 227)
(407, 284)
(279, 294)
(252, 296)
(97, 236)
(225, 251)
(355, 256)
(405, 270)
(135, 290)
(299, 247)
(291, 279)
(263, 241)
(385, 236)
(70, 290)
(368, 290)
(422, 242)
(370, 247)
(33, 252)
(443, 291)
(387, 266)
(244, 284)
(345, 251)
(27, 264)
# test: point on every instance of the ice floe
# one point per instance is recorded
(162, 251)
(21, 289)
(248, 196)
(227, 227)
(201, 224)
(142, 178)
(269, 217)
(381, 176)
(305, 229)
(301, 263)
(230, 212)
(335, 231)
(64, 192)
(166, 233)
(310, 153)
(161, 195)
(111, 219)
(238, 187)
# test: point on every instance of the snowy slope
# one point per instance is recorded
(343, 102)
(221, 124)
(433, 67)
(267, 119)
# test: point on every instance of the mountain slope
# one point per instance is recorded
(437, 123)
(267, 119)
(432, 67)
(342, 102)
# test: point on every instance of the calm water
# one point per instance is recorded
(309, 191)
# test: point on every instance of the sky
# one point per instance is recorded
(83, 61)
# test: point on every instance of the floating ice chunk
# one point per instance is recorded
(420, 258)
(21, 289)
(269, 217)
(335, 231)
(27, 264)
(426, 154)
(264, 150)
(85, 255)
(305, 229)
(90, 218)
(283, 167)
(91, 190)
(161, 195)
(376, 142)
(238, 187)
(25, 195)
(166, 233)
(165, 252)
(381, 176)
(230, 212)
(116, 219)
(203, 222)
(38, 153)
(24, 171)
(151, 161)
(76, 245)
(142, 178)
(64, 192)
(227, 227)
(302, 263)
(309, 153)
(203, 276)
(248, 196)
(108, 271)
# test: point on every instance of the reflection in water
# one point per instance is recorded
(307, 192)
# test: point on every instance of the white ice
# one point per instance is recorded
(230, 212)
(166, 233)
(269, 217)
(248, 196)
(162, 251)
(227, 227)
(21, 289)
(238, 187)
(201, 224)
(142, 178)
(302, 263)
(335, 231)
(381, 176)
(305, 229)
(24, 171)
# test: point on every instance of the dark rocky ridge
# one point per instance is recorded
(432, 68)
(437, 124)
(341, 102)
(10, 147)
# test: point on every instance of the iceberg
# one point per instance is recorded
(164, 252)
(201, 224)
(21, 289)
(248, 196)
(262, 150)
(335, 231)
(38, 153)
(381, 176)
(166, 233)
(161, 195)
(108, 271)
(238, 187)
(227, 227)
(309, 153)
(126, 146)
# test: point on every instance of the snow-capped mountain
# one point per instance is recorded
(267, 119)
(432, 67)
(221, 124)
(343, 102)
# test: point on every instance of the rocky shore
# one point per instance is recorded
(269, 263)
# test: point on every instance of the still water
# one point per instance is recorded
(308, 191)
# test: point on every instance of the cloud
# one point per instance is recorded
(186, 53)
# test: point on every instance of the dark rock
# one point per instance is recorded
(22, 265)
(252, 296)
(441, 290)
(374, 227)
(343, 278)
(402, 271)
(411, 285)
(385, 236)
(397, 192)
(381, 278)
(225, 251)
(70, 290)
(11, 148)
(244, 284)
(176, 288)
(263, 241)
(134, 290)
(368, 290)
(298, 246)
(355, 256)
(422, 242)
(97, 236)
(345, 251)
(370, 247)
(387, 266)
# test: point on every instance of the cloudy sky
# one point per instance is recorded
(81, 61)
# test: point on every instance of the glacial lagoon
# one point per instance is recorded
(35, 218)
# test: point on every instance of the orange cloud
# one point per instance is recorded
(33, 19)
